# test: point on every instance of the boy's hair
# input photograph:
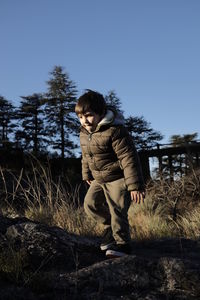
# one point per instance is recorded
(91, 101)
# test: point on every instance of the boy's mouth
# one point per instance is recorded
(88, 125)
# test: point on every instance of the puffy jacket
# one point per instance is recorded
(108, 153)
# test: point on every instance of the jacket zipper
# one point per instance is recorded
(89, 150)
(90, 137)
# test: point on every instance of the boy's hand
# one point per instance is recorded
(138, 196)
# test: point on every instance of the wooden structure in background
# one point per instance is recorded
(190, 150)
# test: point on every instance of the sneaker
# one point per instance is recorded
(118, 250)
(107, 239)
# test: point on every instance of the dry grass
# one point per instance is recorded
(189, 224)
(12, 264)
(40, 199)
(170, 209)
(146, 222)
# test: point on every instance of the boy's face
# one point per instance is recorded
(89, 120)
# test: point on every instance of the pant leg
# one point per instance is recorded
(118, 199)
(95, 204)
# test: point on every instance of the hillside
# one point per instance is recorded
(42, 262)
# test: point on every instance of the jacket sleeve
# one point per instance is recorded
(86, 173)
(125, 150)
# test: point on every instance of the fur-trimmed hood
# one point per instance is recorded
(111, 118)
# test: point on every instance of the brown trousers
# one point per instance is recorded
(108, 204)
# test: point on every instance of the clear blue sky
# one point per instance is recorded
(147, 51)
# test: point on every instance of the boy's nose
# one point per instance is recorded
(86, 121)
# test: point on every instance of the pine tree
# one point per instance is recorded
(178, 140)
(60, 115)
(144, 136)
(31, 134)
(113, 101)
(6, 118)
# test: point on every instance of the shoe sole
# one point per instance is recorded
(115, 254)
(106, 247)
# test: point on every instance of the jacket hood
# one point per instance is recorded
(111, 117)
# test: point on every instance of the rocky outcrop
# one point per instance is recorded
(49, 247)
(41, 262)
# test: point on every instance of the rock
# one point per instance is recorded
(49, 247)
(44, 262)
(133, 277)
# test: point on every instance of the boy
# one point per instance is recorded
(111, 167)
